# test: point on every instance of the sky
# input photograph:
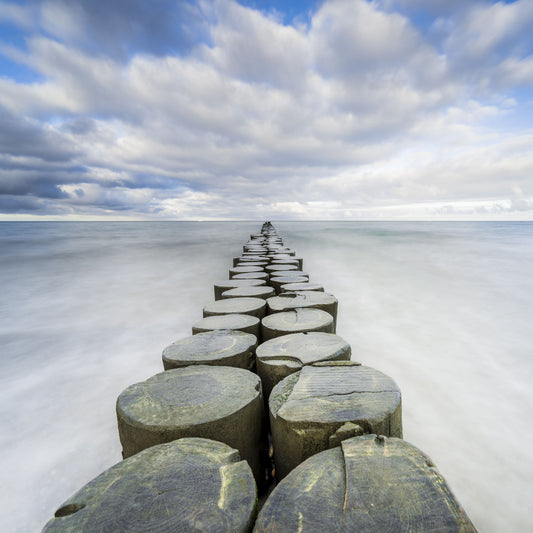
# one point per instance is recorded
(256, 110)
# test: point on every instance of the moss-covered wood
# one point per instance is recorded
(219, 347)
(369, 484)
(213, 402)
(186, 485)
(281, 356)
(295, 321)
(325, 403)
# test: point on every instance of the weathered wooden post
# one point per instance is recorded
(324, 403)
(221, 347)
(371, 483)
(279, 357)
(186, 485)
(295, 321)
(213, 402)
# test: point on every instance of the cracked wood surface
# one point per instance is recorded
(187, 485)
(214, 402)
(281, 356)
(309, 409)
(368, 484)
(295, 321)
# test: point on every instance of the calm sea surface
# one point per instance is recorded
(445, 309)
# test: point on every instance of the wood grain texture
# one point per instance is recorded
(246, 323)
(241, 305)
(303, 299)
(326, 402)
(277, 267)
(302, 286)
(214, 402)
(252, 275)
(263, 292)
(186, 485)
(226, 284)
(278, 281)
(281, 356)
(369, 484)
(219, 347)
(295, 321)
(242, 269)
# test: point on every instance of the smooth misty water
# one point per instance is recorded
(443, 308)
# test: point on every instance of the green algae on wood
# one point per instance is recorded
(368, 484)
(189, 484)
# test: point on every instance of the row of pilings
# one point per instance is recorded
(262, 421)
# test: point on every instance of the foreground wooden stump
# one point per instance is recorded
(295, 321)
(325, 403)
(185, 485)
(214, 402)
(368, 484)
(221, 347)
(279, 357)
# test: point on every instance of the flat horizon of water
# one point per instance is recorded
(444, 308)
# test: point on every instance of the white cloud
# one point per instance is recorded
(20, 16)
(357, 113)
(251, 47)
(353, 37)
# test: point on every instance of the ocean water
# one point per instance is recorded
(445, 309)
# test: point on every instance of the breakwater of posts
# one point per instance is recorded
(262, 420)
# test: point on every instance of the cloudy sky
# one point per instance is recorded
(250, 109)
